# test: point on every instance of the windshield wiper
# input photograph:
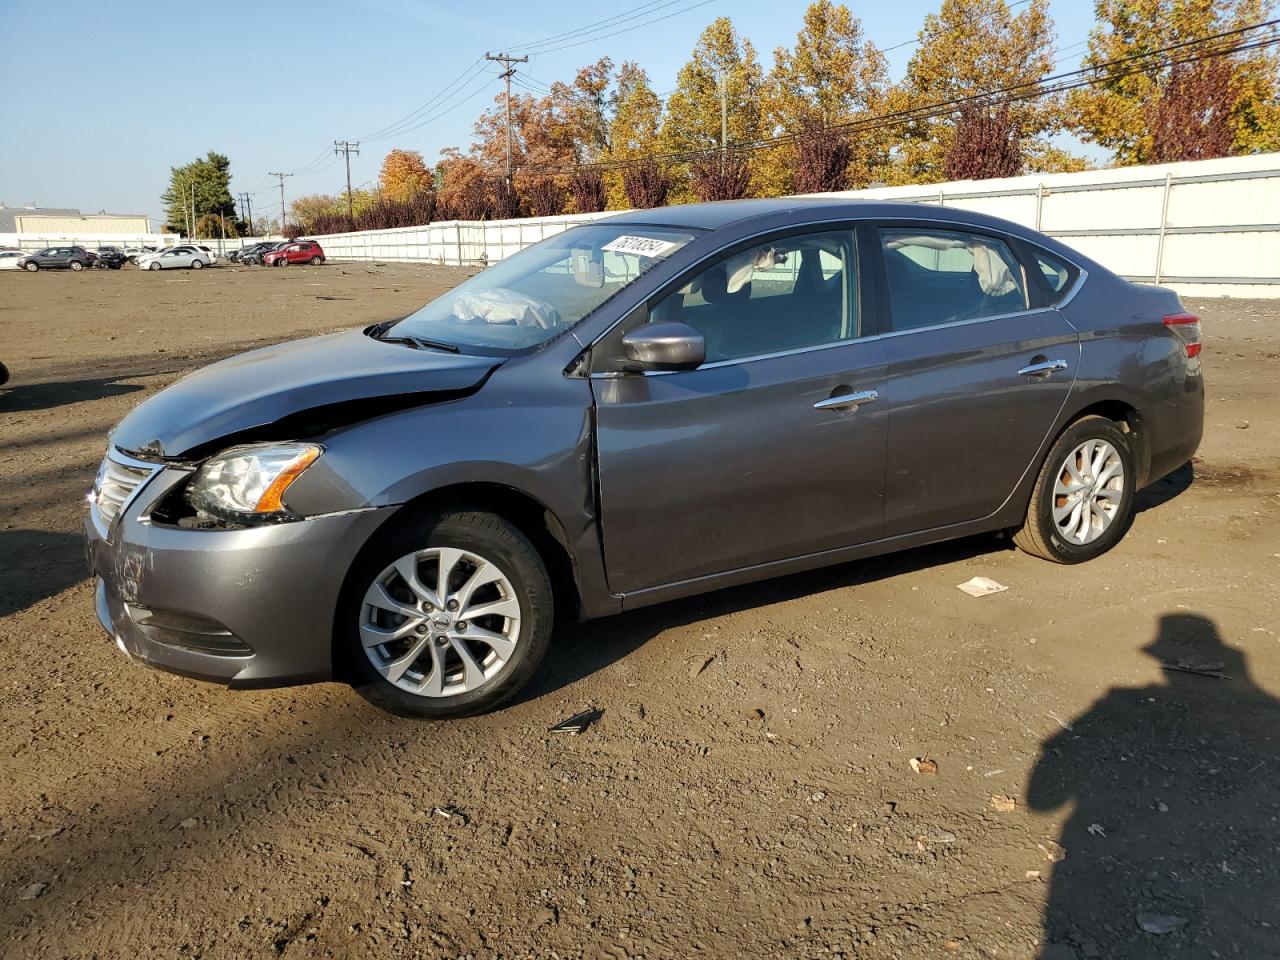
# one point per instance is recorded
(418, 343)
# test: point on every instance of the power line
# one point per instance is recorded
(645, 23)
(1074, 79)
(644, 10)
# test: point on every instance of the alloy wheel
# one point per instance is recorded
(1088, 492)
(440, 622)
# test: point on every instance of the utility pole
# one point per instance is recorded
(724, 110)
(347, 148)
(193, 210)
(281, 177)
(248, 210)
(508, 61)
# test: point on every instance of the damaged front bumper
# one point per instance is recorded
(247, 607)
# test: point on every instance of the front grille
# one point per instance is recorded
(119, 478)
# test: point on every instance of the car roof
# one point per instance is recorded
(744, 217)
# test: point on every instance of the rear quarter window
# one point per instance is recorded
(1056, 275)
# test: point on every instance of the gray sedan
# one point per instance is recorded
(184, 257)
(647, 407)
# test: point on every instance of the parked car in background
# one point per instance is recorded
(207, 251)
(112, 258)
(58, 258)
(638, 409)
(9, 259)
(297, 251)
(253, 255)
(173, 257)
(237, 256)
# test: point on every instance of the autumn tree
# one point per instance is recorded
(1118, 111)
(984, 145)
(692, 121)
(587, 187)
(973, 47)
(404, 175)
(647, 184)
(636, 117)
(832, 75)
(822, 155)
(463, 186)
(722, 175)
(1191, 119)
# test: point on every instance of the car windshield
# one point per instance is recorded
(531, 296)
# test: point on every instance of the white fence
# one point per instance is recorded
(90, 241)
(1205, 228)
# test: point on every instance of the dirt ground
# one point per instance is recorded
(748, 790)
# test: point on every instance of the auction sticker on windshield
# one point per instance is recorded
(640, 246)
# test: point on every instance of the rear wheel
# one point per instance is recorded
(315, 260)
(1082, 502)
(77, 265)
(446, 616)
(197, 264)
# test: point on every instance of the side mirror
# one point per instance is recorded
(665, 346)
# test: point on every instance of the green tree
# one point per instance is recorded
(1117, 113)
(211, 178)
(972, 47)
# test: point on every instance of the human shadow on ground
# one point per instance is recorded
(1170, 849)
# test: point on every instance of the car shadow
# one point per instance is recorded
(1165, 489)
(38, 564)
(45, 396)
(582, 649)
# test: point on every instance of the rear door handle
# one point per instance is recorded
(1044, 368)
(847, 401)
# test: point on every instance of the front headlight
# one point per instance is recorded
(249, 482)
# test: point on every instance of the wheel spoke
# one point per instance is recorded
(407, 567)
(378, 597)
(1109, 494)
(484, 573)
(506, 607)
(449, 558)
(472, 675)
(1060, 513)
(1102, 452)
(434, 687)
(393, 670)
(1110, 471)
(501, 645)
(373, 635)
(1086, 522)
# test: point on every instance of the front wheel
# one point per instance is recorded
(281, 262)
(446, 616)
(33, 267)
(1082, 502)
(153, 266)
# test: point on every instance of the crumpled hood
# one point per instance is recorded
(269, 385)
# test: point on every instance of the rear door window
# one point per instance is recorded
(949, 276)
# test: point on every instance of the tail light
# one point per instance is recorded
(1187, 328)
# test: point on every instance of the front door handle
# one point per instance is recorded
(1043, 368)
(847, 401)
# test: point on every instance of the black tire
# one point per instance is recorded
(76, 265)
(315, 261)
(487, 535)
(281, 262)
(197, 264)
(154, 265)
(1039, 534)
(32, 267)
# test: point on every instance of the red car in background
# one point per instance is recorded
(300, 251)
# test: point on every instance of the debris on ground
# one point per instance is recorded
(1053, 851)
(33, 890)
(578, 722)
(1160, 924)
(1097, 830)
(981, 587)
(451, 812)
(1197, 667)
(700, 665)
(923, 765)
(935, 835)
(1004, 803)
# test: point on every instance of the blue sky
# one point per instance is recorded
(100, 99)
